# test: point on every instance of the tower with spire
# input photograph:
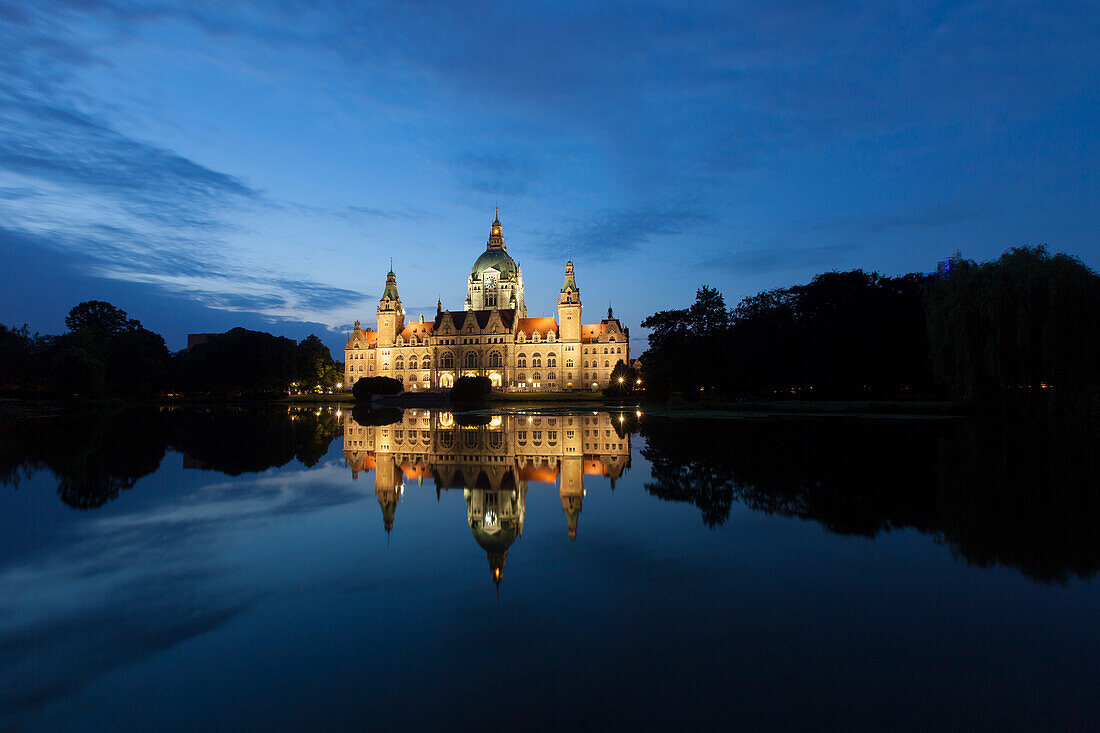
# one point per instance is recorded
(391, 314)
(388, 488)
(569, 307)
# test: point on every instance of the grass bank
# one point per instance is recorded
(543, 397)
(677, 407)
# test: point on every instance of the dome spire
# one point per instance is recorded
(496, 239)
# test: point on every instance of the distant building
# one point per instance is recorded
(492, 336)
(946, 266)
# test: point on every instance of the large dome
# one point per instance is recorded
(497, 259)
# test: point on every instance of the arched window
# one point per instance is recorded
(606, 364)
(551, 377)
(448, 360)
(412, 362)
(447, 381)
(536, 360)
(400, 379)
(471, 359)
(568, 363)
(521, 378)
(536, 377)
(551, 360)
(605, 350)
(521, 362)
(494, 359)
(618, 349)
(400, 363)
(585, 363)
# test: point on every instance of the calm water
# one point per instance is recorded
(177, 570)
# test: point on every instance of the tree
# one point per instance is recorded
(138, 363)
(313, 362)
(708, 315)
(622, 380)
(73, 371)
(240, 362)
(1025, 322)
(16, 356)
(99, 318)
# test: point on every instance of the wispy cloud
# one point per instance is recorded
(495, 173)
(757, 260)
(609, 233)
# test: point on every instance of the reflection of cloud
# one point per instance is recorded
(128, 587)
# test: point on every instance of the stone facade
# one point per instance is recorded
(492, 336)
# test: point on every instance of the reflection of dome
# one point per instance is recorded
(493, 539)
(495, 258)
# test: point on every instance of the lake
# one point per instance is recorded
(315, 567)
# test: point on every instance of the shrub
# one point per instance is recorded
(471, 388)
(367, 387)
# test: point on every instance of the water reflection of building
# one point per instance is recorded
(492, 462)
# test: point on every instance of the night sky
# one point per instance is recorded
(206, 165)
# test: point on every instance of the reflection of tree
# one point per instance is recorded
(96, 456)
(996, 493)
(365, 415)
(244, 441)
(1016, 494)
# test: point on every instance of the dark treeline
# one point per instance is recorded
(95, 456)
(107, 354)
(1007, 492)
(1024, 323)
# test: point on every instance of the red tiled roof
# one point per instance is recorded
(591, 333)
(370, 337)
(417, 328)
(528, 326)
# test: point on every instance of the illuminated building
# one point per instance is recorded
(492, 336)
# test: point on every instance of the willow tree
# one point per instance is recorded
(1024, 323)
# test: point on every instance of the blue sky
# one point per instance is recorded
(208, 164)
